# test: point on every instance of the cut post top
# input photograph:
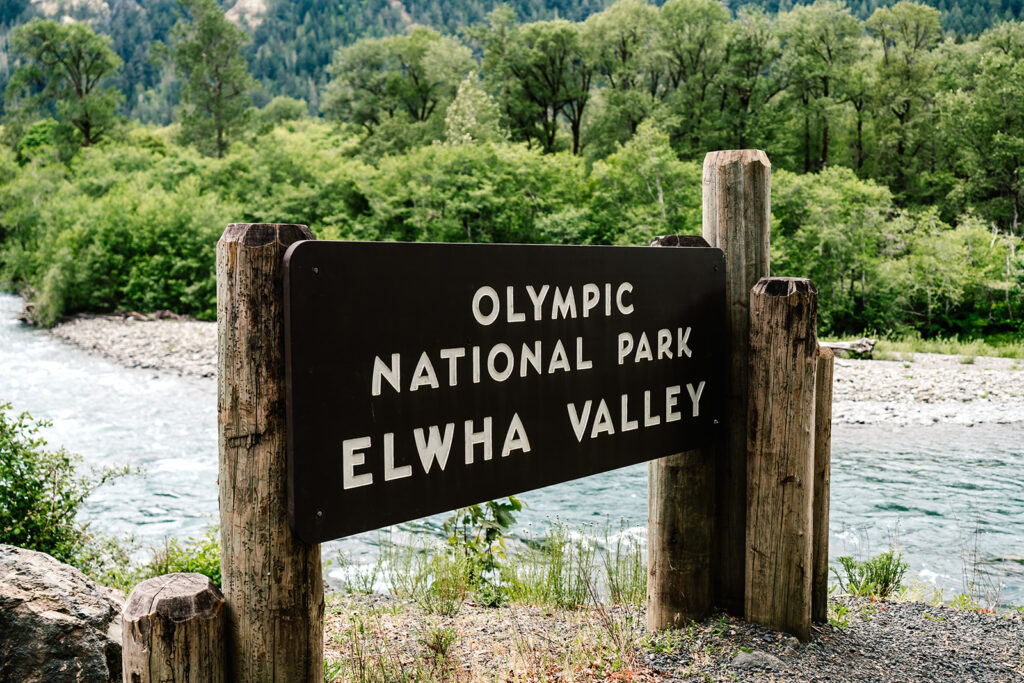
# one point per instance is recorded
(262, 234)
(726, 157)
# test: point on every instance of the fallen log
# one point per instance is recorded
(860, 348)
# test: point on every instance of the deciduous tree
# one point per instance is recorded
(63, 69)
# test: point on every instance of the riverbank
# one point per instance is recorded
(878, 641)
(909, 389)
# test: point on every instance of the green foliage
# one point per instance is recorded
(194, 555)
(62, 71)
(40, 490)
(558, 572)
(625, 566)
(397, 89)
(837, 614)
(206, 52)
(472, 116)
(279, 110)
(880, 576)
(477, 533)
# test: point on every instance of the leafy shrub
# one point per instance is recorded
(40, 491)
(880, 576)
(195, 555)
(477, 533)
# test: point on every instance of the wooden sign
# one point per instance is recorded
(426, 377)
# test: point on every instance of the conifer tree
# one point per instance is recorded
(206, 52)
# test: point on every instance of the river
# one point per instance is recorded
(951, 497)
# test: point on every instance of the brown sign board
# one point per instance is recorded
(425, 377)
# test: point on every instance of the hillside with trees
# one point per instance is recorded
(897, 148)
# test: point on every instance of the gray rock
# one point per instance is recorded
(749, 660)
(55, 624)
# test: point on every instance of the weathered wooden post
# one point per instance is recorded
(173, 631)
(822, 481)
(737, 209)
(780, 472)
(680, 523)
(272, 580)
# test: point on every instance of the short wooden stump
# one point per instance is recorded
(174, 631)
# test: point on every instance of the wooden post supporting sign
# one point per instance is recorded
(736, 209)
(272, 580)
(680, 523)
(780, 470)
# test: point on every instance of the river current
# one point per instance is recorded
(950, 497)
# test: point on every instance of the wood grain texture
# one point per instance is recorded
(173, 631)
(680, 523)
(272, 580)
(780, 473)
(736, 211)
(822, 482)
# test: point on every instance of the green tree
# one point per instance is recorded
(551, 76)
(620, 42)
(643, 190)
(985, 125)
(206, 51)
(472, 116)
(398, 88)
(63, 70)
(749, 79)
(820, 46)
(908, 33)
(692, 40)
(831, 227)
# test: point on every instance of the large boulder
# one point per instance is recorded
(55, 624)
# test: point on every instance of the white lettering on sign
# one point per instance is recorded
(626, 344)
(564, 306)
(500, 364)
(594, 418)
(433, 446)
(603, 424)
(390, 471)
(563, 302)
(515, 438)
(424, 374)
(452, 356)
(481, 294)
(474, 438)
(389, 372)
(352, 458)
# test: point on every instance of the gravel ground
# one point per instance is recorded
(881, 641)
(919, 389)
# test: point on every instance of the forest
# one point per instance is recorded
(896, 135)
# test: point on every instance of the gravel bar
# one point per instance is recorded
(921, 388)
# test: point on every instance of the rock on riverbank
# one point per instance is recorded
(917, 389)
